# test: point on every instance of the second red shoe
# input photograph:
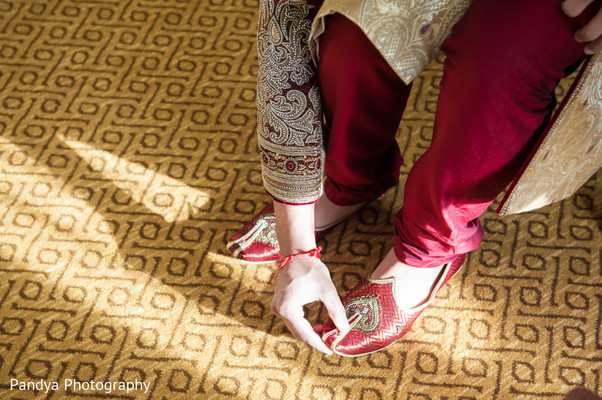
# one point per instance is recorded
(375, 319)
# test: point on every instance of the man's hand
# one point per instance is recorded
(303, 280)
(591, 33)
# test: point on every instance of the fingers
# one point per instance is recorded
(336, 311)
(591, 33)
(304, 281)
(302, 329)
(574, 8)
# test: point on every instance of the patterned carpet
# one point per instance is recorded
(128, 157)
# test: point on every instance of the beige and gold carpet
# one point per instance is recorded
(128, 157)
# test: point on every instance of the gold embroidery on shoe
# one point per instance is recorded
(268, 234)
(363, 313)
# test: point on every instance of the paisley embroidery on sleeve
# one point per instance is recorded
(288, 103)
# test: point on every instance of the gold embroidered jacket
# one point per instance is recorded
(408, 33)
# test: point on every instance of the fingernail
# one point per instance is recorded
(577, 38)
(588, 51)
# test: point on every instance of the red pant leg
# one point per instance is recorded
(363, 100)
(504, 60)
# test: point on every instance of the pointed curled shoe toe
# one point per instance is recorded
(375, 319)
(256, 242)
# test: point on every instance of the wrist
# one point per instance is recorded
(296, 244)
(294, 228)
(315, 252)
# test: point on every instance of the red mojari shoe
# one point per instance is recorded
(375, 319)
(256, 242)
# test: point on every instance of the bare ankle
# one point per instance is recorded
(328, 214)
(412, 285)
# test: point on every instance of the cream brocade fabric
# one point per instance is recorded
(570, 153)
(408, 33)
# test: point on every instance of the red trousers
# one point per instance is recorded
(504, 60)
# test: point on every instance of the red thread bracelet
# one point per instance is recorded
(313, 253)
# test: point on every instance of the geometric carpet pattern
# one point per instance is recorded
(128, 157)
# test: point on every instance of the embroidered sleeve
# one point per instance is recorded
(288, 103)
